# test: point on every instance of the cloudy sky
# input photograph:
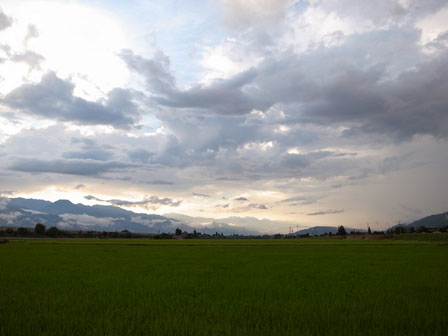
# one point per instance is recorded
(312, 112)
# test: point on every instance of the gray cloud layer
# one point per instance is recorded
(70, 167)
(376, 82)
(53, 98)
(5, 21)
(151, 202)
(328, 212)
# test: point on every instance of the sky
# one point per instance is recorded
(302, 112)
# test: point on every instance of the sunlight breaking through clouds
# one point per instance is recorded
(307, 112)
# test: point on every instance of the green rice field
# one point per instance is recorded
(223, 287)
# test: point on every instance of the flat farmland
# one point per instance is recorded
(223, 287)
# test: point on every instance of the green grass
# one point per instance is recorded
(223, 287)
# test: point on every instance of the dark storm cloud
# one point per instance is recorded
(156, 70)
(160, 182)
(140, 155)
(70, 167)
(302, 160)
(257, 206)
(227, 179)
(399, 162)
(90, 149)
(211, 132)
(200, 195)
(86, 142)
(93, 198)
(294, 199)
(328, 212)
(224, 96)
(413, 103)
(5, 21)
(100, 155)
(299, 200)
(224, 206)
(150, 202)
(53, 98)
(218, 138)
(363, 84)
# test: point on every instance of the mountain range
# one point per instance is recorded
(249, 225)
(438, 221)
(319, 230)
(435, 221)
(67, 215)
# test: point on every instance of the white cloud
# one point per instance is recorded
(10, 217)
(76, 41)
(86, 220)
(433, 25)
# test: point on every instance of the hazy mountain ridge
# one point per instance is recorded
(250, 225)
(67, 215)
(319, 230)
(64, 214)
(437, 220)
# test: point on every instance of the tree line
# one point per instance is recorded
(41, 231)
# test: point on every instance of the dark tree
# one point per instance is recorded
(341, 231)
(178, 232)
(369, 231)
(39, 229)
(411, 229)
(421, 229)
(53, 232)
(22, 232)
(400, 229)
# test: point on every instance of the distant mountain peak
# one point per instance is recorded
(63, 202)
(437, 220)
